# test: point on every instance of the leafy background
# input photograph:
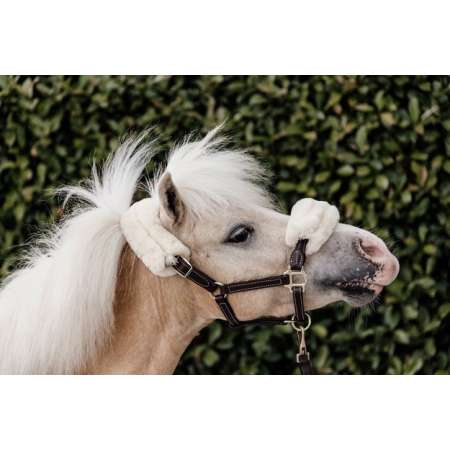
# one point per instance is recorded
(378, 147)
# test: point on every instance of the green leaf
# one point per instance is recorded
(430, 249)
(406, 197)
(19, 212)
(382, 182)
(215, 333)
(413, 366)
(413, 108)
(410, 312)
(210, 358)
(321, 177)
(319, 330)
(361, 138)
(346, 171)
(387, 119)
(447, 166)
(444, 310)
(363, 171)
(401, 336)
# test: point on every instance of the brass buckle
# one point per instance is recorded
(297, 278)
(185, 275)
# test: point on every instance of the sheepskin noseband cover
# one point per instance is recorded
(313, 220)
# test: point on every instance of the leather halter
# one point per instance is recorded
(294, 279)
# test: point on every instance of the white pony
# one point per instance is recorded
(86, 301)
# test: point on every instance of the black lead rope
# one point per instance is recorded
(294, 279)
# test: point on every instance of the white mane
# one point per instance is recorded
(57, 312)
(208, 176)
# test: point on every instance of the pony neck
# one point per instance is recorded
(155, 320)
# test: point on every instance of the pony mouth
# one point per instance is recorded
(359, 292)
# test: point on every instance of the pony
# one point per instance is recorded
(86, 300)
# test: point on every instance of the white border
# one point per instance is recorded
(246, 37)
(240, 412)
(224, 37)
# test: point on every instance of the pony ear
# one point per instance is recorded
(172, 208)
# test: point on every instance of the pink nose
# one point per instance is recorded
(374, 249)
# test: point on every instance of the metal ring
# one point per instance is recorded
(293, 323)
(219, 285)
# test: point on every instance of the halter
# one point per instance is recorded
(294, 279)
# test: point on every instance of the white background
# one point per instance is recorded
(228, 37)
(224, 412)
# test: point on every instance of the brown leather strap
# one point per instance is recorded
(227, 310)
(305, 365)
(261, 283)
(297, 259)
(299, 308)
(296, 263)
(221, 291)
(186, 270)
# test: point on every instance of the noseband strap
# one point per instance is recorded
(294, 279)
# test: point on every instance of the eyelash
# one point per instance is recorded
(231, 239)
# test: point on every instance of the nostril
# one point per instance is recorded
(372, 249)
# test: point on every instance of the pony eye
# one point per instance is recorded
(240, 234)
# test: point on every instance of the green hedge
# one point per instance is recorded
(378, 147)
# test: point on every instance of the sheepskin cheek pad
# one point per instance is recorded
(150, 241)
(313, 220)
